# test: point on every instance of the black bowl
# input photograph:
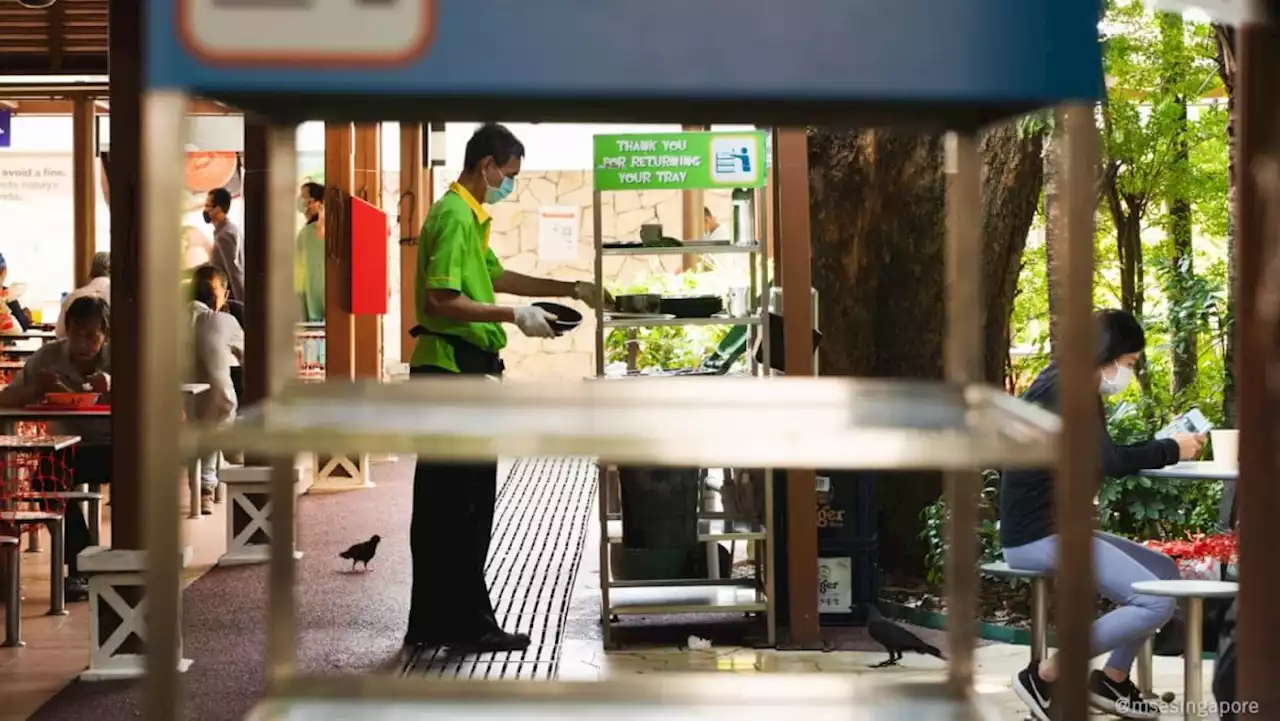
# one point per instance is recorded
(566, 318)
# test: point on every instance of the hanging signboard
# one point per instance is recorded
(329, 33)
(679, 161)
(603, 55)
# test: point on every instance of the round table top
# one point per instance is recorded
(1194, 471)
(1188, 588)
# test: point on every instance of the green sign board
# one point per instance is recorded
(680, 161)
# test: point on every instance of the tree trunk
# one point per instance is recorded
(1226, 43)
(1052, 233)
(878, 206)
(1183, 329)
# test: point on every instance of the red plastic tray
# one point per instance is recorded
(97, 407)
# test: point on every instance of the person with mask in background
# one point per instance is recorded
(308, 270)
(1030, 542)
(99, 285)
(460, 332)
(228, 240)
(714, 229)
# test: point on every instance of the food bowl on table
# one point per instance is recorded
(70, 400)
(566, 320)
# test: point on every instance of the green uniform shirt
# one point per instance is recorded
(454, 254)
(308, 272)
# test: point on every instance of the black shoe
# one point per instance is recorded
(1034, 691)
(1121, 698)
(75, 589)
(494, 642)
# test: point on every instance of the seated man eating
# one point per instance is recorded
(79, 362)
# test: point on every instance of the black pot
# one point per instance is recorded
(646, 303)
(566, 320)
(692, 306)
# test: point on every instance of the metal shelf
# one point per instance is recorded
(709, 249)
(707, 598)
(709, 529)
(664, 322)
(657, 697)
(835, 423)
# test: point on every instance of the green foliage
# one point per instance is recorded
(934, 533)
(668, 347)
(1153, 64)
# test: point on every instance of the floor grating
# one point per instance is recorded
(539, 530)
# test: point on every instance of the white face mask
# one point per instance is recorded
(1112, 386)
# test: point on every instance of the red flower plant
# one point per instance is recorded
(1222, 547)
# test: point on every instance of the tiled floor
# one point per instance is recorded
(57, 647)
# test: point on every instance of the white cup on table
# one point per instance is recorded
(1226, 447)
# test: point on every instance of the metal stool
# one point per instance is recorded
(1039, 603)
(11, 548)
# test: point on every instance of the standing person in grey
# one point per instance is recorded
(228, 241)
(1031, 543)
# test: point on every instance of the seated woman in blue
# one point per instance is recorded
(79, 362)
(1030, 542)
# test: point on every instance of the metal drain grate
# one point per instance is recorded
(539, 529)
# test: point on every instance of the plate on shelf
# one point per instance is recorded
(638, 316)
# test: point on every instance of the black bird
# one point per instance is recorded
(362, 552)
(895, 638)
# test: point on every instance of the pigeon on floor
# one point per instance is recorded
(362, 552)
(895, 638)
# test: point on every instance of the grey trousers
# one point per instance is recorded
(1117, 564)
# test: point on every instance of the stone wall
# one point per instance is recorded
(515, 240)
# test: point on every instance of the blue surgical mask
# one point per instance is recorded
(500, 193)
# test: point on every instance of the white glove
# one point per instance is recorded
(535, 322)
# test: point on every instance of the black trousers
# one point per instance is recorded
(449, 540)
(89, 464)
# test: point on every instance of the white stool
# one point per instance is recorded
(1193, 593)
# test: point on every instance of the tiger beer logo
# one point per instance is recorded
(829, 517)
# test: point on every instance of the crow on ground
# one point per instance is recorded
(895, 638)
(362, 552)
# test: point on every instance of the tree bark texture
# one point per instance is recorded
(1226, 43)
(1052, 232)
(878, 203)
(1185, 332)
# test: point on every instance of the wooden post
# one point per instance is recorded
(1257, 323)
(791, 163)
(126, 273)
(84, 154)
(339, 325)
(368, 187)
(415, 194)
(256, 229)
(692, 204)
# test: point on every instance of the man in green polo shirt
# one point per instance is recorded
(460, 331)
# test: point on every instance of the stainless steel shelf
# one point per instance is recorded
(654, 697)
(681, 582)
(709, 529)
(707, 598)
(814, 423)
(665, 322)
(726, 249)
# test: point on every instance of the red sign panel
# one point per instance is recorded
(369, 283)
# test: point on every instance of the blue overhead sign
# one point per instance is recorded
(6, 127)
(821, 51)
